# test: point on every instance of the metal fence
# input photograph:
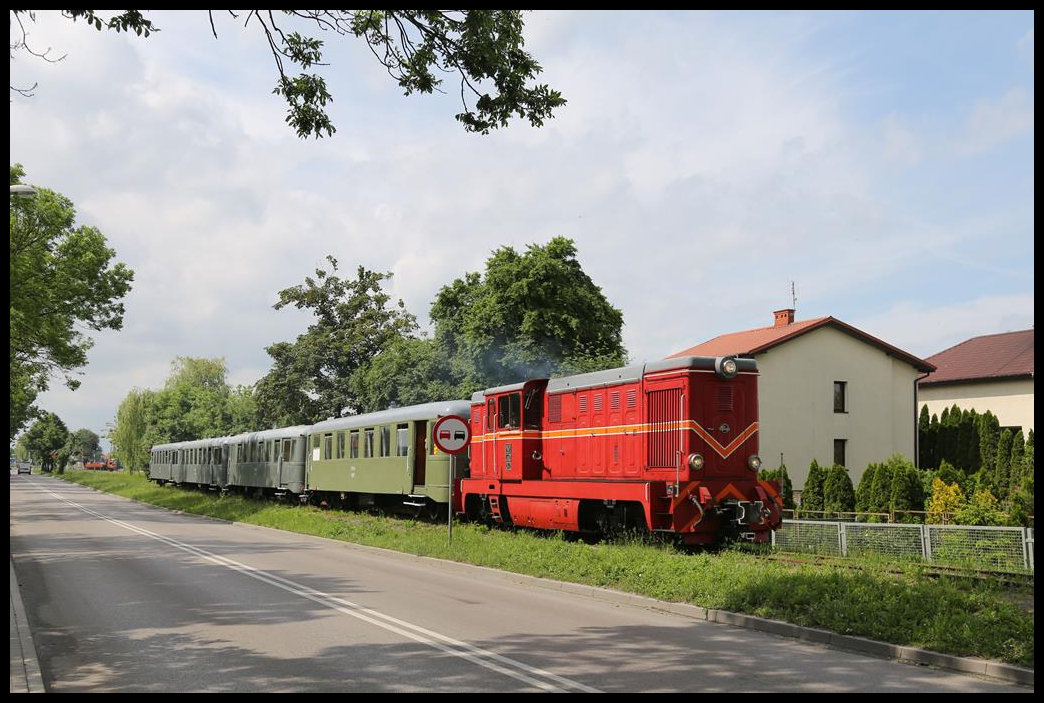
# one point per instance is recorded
(995, 548)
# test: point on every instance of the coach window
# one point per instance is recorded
(340, 445)
(288, 449)
(840, 399)
(353, 444)
(510, 411)
(839, 451)
(328, 446)
(402, 440)
(385, 441)
(368, 442)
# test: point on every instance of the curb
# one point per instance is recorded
(25, 668)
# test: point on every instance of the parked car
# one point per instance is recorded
(24, 467)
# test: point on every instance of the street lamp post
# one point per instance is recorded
(22, 191)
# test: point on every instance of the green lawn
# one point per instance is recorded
(900, 604)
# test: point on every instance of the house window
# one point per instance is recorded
(840, 399)
(839, 451)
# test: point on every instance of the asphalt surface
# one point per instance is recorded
(26, 675)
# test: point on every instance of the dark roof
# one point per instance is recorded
(992, 356)
(752, 342)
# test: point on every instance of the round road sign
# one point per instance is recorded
(452, 434)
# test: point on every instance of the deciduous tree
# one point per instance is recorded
(483, 49)
(354, 321)
(63, 280)
(46, 439)
(527, 315)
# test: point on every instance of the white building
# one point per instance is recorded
(993, 372)
(827, 391)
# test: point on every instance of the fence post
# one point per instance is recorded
(926, 542)
(1027, 559)
(842, 539)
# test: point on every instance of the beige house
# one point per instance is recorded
(993, 372)
(827, 391)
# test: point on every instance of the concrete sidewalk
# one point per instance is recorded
(25, 669)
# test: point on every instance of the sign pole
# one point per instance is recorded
(451, 435)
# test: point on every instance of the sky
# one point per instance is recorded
(711, 167)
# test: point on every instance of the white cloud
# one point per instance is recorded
(995, 121)
(924, 329)
(1026, 46)
(703, 162)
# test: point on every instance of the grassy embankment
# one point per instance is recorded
(897, 605)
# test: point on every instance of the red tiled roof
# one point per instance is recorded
(992, 356)
(752, 342)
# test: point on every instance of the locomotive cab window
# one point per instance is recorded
(491, 413)
(533, 409)
(509, 411)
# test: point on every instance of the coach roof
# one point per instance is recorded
(427, 411)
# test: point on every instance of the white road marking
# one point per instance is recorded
(533, 676)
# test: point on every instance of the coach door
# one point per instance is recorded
(420, 452)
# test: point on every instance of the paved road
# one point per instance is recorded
(124, 597)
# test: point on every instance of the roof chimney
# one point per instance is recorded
(784, 317)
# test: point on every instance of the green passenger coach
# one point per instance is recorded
(385, 459)
(269, 462)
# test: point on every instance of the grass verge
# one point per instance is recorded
(903, 605)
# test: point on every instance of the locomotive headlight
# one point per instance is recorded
(725, 366)
(754, 462)
(695, 462)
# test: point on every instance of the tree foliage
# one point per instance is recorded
(944, 503)
(783, 478)
(483, 49)
(410, 371)
(838, 494)
(196, 402)
(63, 279)
(527, 315)
(129, 434)
(354, 322)
(812, 493)
(47, 441)
(84, 445)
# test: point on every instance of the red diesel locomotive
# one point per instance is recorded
(669, 446)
